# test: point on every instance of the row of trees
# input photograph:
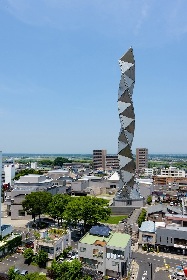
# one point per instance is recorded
(67, 271)
(12, 275)
(88, 209)
(142, 217)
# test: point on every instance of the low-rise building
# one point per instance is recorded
(147, 233)
(53, 241)
(105, 252)
(157, 213)
(25, 185)
(172, 172)
(172, 238)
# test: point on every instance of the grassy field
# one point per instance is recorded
(114, 219)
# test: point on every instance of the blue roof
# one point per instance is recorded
(147, 226)
(100, 230)
(3, 227)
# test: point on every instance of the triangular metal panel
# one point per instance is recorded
(127, 176)
(131, 72)
(125, 66)
(130, 127)
(122, 87)
(129, 136)
(129, 112)
(128, 80)
(125, 121)
(122, 106)
(126, 97)
(128, 56)
(121, 146)
(124, 160)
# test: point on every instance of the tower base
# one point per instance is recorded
(137, 203)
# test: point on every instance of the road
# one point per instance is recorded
(146, 261)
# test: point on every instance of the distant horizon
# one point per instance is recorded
(27, 153)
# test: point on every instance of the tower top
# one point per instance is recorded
(128, 56)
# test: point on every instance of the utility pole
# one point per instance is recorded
(151, 267)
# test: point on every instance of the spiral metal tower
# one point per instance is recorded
(127, 120)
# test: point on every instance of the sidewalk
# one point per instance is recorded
(134, 270)
(15, 223)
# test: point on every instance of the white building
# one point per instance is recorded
(105, 252)
(53, 241)
(148, 172)
(172, 172)
(9, 170)
(25, 185)
(34, 165)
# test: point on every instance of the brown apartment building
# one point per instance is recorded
(141, 158)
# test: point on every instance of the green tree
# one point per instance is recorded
(28, 255)
(26, 172)
(66, 270)
(90, 210)
(149, 199)
(59, 161)
(36, 203)
(41, 258)
(45, 162)
(142, 217)
(58, 205)
(11, 273)
(66, 251)
(31, 276)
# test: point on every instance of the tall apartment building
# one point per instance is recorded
(112, 162)
(141, 158)
(99, 159)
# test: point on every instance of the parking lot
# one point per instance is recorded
(17, 260)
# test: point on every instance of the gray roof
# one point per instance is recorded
(147, 226)
(163, 208)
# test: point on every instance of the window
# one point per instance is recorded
(82, 249)
(21, 213)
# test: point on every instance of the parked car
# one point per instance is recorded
(16, 270)
(24, 272)
(29, 244)
(20, 250)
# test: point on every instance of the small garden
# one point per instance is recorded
(114, 219)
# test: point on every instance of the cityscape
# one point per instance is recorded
(93, 150)
(95, 217)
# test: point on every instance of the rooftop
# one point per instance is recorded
(114, 239)
(148, 226)
(51, 235)
(114, 177)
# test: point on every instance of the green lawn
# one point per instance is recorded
(114, 219)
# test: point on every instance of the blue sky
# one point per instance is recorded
(59, 74)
